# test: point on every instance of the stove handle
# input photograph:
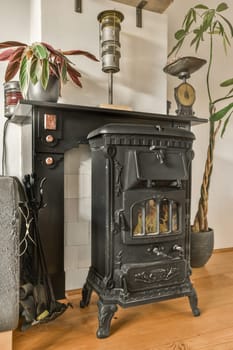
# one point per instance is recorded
(159, 152)
(158, 251)
(178, 248)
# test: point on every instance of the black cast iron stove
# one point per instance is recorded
(141, 184)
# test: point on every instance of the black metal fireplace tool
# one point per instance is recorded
(37, 300)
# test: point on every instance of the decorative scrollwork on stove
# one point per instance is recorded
(116, 228)
(120, 223)
(108, 283)
(111, 150)
(118, 259)
(156, 275)
(118, 172)
(106, 312)
(95, 280)
(190, 156)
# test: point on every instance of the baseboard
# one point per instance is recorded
(223, 250)
(70, 293)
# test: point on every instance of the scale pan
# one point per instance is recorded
(184, 66)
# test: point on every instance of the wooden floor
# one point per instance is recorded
(160, 326)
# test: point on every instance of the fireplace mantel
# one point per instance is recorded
(57, 128)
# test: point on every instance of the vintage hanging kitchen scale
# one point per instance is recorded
(184, 93)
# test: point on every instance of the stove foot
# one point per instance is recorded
(193, 303)
(86, 295)
(106, 312)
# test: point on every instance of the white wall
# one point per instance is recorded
(35, 20)
(140, 83)
(14, 24)
(221, 190)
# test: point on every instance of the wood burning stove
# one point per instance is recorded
(140, 217)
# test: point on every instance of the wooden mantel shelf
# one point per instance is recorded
(151, 5)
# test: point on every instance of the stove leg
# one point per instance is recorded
(193, 303)
(86, 295)
(106, 312)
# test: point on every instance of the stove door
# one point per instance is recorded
(152, 215)
(155, 222)
(140, 277)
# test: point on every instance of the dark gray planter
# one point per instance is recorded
(201, 249)
(51, 94)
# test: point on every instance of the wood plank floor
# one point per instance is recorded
(160, 326)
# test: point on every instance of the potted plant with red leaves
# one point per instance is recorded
(39, 64)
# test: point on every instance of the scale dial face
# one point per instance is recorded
(185, 95)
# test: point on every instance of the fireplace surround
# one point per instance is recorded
(57, 128)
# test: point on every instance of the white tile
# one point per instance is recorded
(71, 186)
(85, 162)
(77, 213)
(75, 278)
(84, 186)
(84, 256)
(78, 160)
(84, 209)
(77, 186)
(71, 206)
(77, 209)
(71, 161)
(77, 233)
(71, 257)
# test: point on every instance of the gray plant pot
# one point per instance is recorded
(51, 94)
(201, 249)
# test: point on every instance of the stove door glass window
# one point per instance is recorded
(151, 217)
(164, 216)
(139, 219)
(154, 217)
(175, 217)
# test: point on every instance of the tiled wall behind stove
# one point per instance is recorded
(77, 199)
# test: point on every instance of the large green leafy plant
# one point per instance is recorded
(201, 26)
(36, 62)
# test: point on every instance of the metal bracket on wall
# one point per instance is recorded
(139, 8)
(78, 6)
